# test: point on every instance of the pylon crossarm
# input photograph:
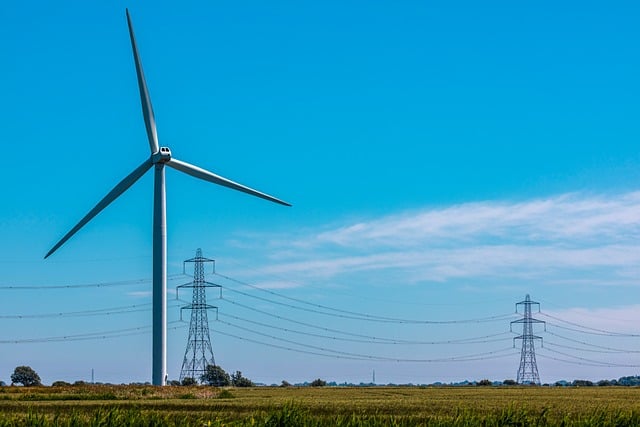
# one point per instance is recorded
(528, 320)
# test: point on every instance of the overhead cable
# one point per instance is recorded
(594, 331)
(365, 316)
(371, 318)
(368, 357)
(608, 364)
(135, 308)
(611, 349)
(374, 340)
(80, 286)
(92, 335)
(351, 334)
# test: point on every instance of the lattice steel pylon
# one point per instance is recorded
(528, 370)
(199, 353)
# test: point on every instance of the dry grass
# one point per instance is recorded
(325, 406)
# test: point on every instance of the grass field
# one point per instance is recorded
(267, 406)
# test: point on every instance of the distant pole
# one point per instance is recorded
(92, 377)
(374, 377)
(198, 353)
(528, 369)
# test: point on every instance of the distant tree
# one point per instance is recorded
(79, 383)
(174, 383)
(629, 381)
(237, 380)
(285, 383)
(187, 381)
(582, 383)
(216, 376)
(60, 384)
(26, 376)
(3, 384)
(484, 383)
(318, 383)
(604, 383)
(509, 382)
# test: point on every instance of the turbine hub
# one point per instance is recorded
(162, 156)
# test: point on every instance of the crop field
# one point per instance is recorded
(328, 406)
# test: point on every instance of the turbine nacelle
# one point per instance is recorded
(162, 156)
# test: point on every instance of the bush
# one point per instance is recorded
(60, 384)
(318, 383)
(187, 381)
(225, 394)
(285, 384)
(237, 380)
(484, 383)
(509, 382)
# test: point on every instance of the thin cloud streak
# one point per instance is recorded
(569, 216)
(568, 238)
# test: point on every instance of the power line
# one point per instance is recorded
(140, 330)
(607, 364)
(368, 357)
(349, 294)
(364, 316)
(587, 328)
(590, 350)
(351, 334)
(613, 350)
(371, 340)
(368, 317)
(85, 313)
(296, 350)
(572, 362)
(80, 286)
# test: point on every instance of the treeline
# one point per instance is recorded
(218, 377)
(630, 381)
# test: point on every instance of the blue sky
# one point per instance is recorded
(443, 160)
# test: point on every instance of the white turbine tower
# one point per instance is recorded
(160, 156)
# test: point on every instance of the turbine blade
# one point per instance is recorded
(216, 179)
(145, 99)
(113, 194)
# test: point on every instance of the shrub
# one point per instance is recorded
(60, 384)
(225, 394)
(237, 380)
(189, 381)
(318, 383)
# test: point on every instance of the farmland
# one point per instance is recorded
(402, 406)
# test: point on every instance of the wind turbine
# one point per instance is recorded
(159, 158)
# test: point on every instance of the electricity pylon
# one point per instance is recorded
(528, 370)
(199, 353)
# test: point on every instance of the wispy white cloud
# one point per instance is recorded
(587, 239)
(566, 217)
(622, 319)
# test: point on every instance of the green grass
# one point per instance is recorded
(265, 406)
